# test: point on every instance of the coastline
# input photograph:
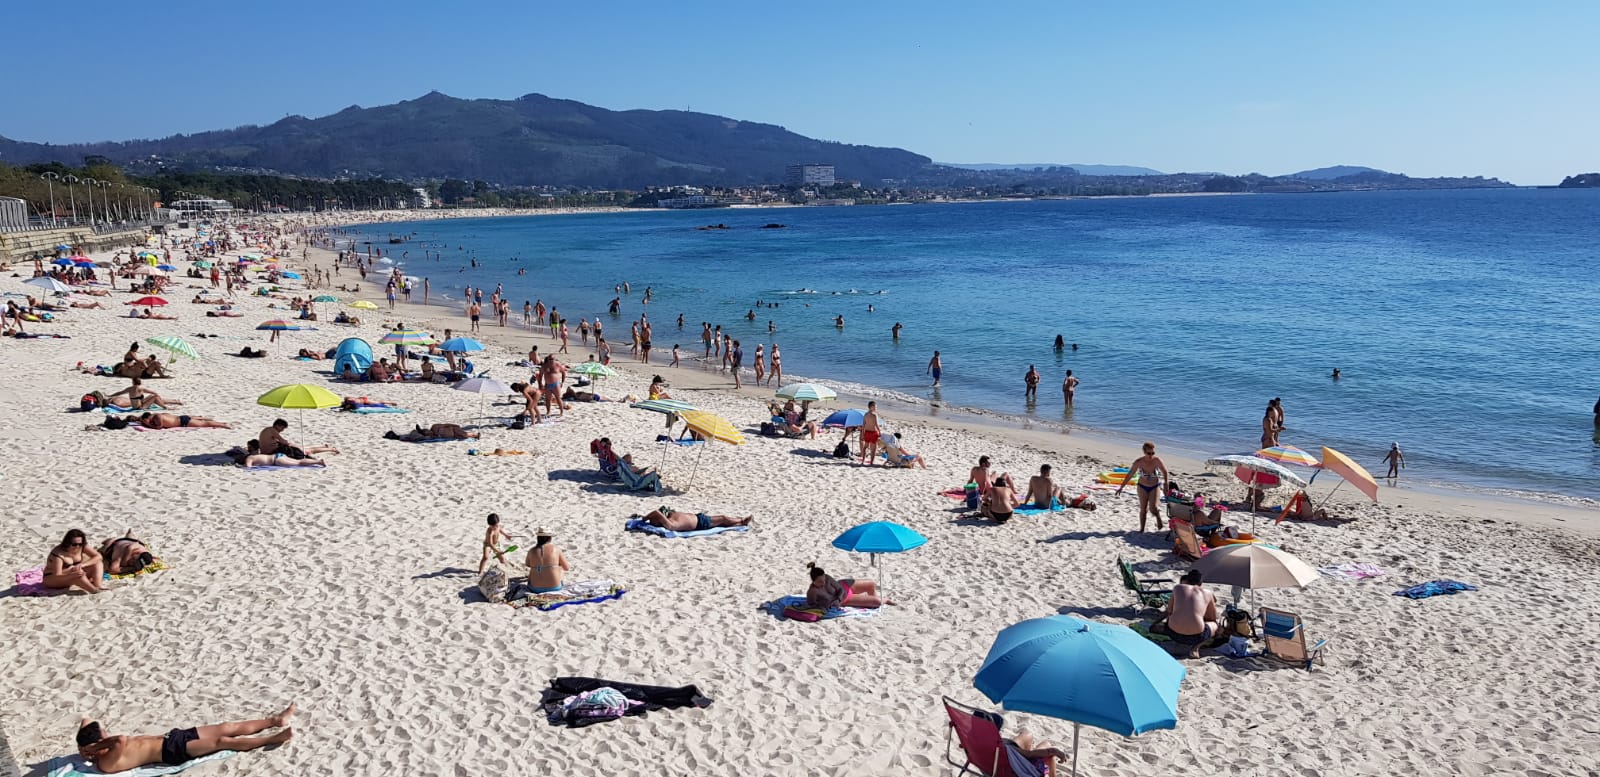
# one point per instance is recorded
(1104, 448)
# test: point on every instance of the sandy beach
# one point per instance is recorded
(351, 590)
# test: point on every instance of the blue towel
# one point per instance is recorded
(376, 410)
(639, 524)
(1031, 509)
(1434, 588)
(261, 469)
(74, 766)
(114, 410)
(776, 607)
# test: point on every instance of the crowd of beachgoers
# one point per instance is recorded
(250, 470)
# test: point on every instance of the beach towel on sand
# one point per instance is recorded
(794, 608)
(74, 766)
(1031, 509)
(30, 582)
(650, 698)
(115, 409)
(1355, 570)
(149, 569)
(376, 410)
(584, 592)
(638, 524)
(1434, 588)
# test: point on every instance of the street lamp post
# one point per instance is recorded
(49, 183)
(72, 179)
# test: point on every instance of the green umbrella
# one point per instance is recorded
(594, 370)
(300, 396)
(176, 345)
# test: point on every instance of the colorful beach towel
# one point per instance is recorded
(1434, 588)
(788, 607)
(115, 409)
(640, 525)
(74, 766)
(149, 569)
(1355, 570)
(958, 494)
(584, 592)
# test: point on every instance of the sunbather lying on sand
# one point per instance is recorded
(434, 432)
(826, 592)
(677, 520)
(180, 745)
(307, 353)
(173, 421)
(125, 555)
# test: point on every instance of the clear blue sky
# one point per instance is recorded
(1426, 88)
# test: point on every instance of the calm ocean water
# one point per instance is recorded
(1466, 323)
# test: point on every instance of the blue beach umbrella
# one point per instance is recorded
(844, 419)
(1102, 675)
(461, 345)
(879, 537)
(63, 261)
(166, 267)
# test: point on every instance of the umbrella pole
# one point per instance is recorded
(1325, 499)
(1076, 727)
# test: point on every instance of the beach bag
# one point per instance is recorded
(1240, 624)
(842, 450)
(493, 585)
(768, 429)
(91, 401)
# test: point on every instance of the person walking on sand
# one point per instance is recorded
(1151, 472)
(427, 289)
(1069, 388)
(122, 752)
(760, 364)
(935, 368)
(870, 434)
(737, 359)
(776, 373)
(1031, 381)
(475, 312)
(1397, 460)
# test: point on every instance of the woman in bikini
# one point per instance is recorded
(73, 564)
(546, 564)
(826, 592)
(1152, 472)
(999, 500)
(777, 367)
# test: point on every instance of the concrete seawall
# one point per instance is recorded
(21, 246)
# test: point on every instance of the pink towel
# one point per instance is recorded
(30, 582)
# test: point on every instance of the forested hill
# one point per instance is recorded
(530, 140)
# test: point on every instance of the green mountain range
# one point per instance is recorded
(532, 140)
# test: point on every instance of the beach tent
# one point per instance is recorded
(353, 352)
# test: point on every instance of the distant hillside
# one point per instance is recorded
(1082, 169)
(1337, 171)
(1581, 181)
(530, 140)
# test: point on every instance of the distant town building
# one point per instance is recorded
(13, 214)
(809, 175)
(692, 201)
(201, 207)
(423, 199)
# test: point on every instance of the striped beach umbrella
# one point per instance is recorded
(278, 325)
(807, 392)
(174, 344)
(594, 370)
(668, 406)
(407, 337)
(1288, 454)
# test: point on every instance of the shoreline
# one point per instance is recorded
(1106, 448)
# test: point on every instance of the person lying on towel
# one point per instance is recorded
(123, 752)
(679, 521)
(826, 593)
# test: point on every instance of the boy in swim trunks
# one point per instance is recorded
(870, 434)
(180, 745)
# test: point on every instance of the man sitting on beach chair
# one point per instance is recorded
(898, 456)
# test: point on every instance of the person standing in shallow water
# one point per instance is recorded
(1397, 460)
(1031, 381)
(1069, 388)
(935, 368)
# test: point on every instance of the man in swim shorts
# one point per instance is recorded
(178, 746)
(679, 521)
(1042, 490)
(935, 368)
(870, 434)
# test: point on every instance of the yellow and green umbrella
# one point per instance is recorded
(362, 304)
(301, 397)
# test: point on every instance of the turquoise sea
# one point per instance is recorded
(1466, 324)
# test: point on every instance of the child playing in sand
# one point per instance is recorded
(492, 537)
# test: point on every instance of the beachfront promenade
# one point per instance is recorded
(351, 589)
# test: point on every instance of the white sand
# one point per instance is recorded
(346, 590)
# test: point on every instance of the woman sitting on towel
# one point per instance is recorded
(1000, 500)
(73, 564)
(827, 593)
(546, 564)
(125, 555)
(679, 521)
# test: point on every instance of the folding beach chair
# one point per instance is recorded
(650, 481)
(1152, 593)
(1285, 636)
(1184, 542)
(983, 749)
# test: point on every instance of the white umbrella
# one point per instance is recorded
(1255, 472)
(481, 387)
(1254, 566)
(48, 283)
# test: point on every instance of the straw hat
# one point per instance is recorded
(543, 532)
